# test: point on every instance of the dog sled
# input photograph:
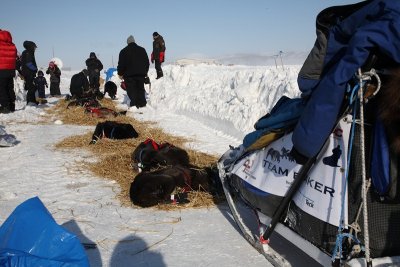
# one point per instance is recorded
(320, 171)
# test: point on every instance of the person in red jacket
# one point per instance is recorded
(8, 56)
(158, 54)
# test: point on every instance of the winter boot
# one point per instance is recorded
(159, 74)
(42, 101)
(12, 106)
(4, 110)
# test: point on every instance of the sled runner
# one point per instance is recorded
(312, 175)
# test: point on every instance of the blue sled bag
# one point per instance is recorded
(384, 166)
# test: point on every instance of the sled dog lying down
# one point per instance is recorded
(151, 188)
(111, 88)
(83, 102)
(103, 112)
(113, 130)
(150, 154)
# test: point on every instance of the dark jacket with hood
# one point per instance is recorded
(158, 47)
(133, 61)
(55, 74)
(93, 64)
(79, 83)
(28, 61)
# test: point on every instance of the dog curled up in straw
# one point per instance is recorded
(152, 188)
(165, 172)
(149, 154)
(113, 130)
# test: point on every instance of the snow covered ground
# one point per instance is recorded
(214, 105)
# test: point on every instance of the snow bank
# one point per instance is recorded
(226, 98)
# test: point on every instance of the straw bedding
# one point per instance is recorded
(113, 157)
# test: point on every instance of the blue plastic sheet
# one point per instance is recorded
(109, 73)
(31, 237)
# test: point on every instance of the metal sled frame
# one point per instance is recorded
(302, 244)
(267, 251)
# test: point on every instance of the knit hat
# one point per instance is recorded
(155, 34)
(130, 39)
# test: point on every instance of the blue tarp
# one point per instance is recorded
(31, 237)
(109, 73)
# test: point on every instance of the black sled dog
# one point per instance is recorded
(111, 89)
(149, 154)
(156, 187)
(113, 130)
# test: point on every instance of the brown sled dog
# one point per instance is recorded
(389, 107)
(151, 188)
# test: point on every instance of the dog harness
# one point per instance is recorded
(154, 145)
(100, 112)
(187, 178)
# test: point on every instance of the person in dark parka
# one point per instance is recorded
(29, 69)
(79, 84)
(158, 54)
(55, 78)
(8, 55)
(94, 66)
(133, 65)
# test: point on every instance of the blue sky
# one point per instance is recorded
(71, 29)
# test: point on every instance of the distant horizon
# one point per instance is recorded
(235, 59)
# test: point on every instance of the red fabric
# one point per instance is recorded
(100, 112)
(153, 143)
(8, 51)
(123, 85)
(162, 55)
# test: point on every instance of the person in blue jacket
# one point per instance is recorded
(40, 83)
(29, 69)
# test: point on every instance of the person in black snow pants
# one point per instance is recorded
(40, 84)
(8, 54)
(55, 78)
(94, 66)
(133, 65)
(29, 69)
(158, 54)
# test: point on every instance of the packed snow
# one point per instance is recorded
(214, 105)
